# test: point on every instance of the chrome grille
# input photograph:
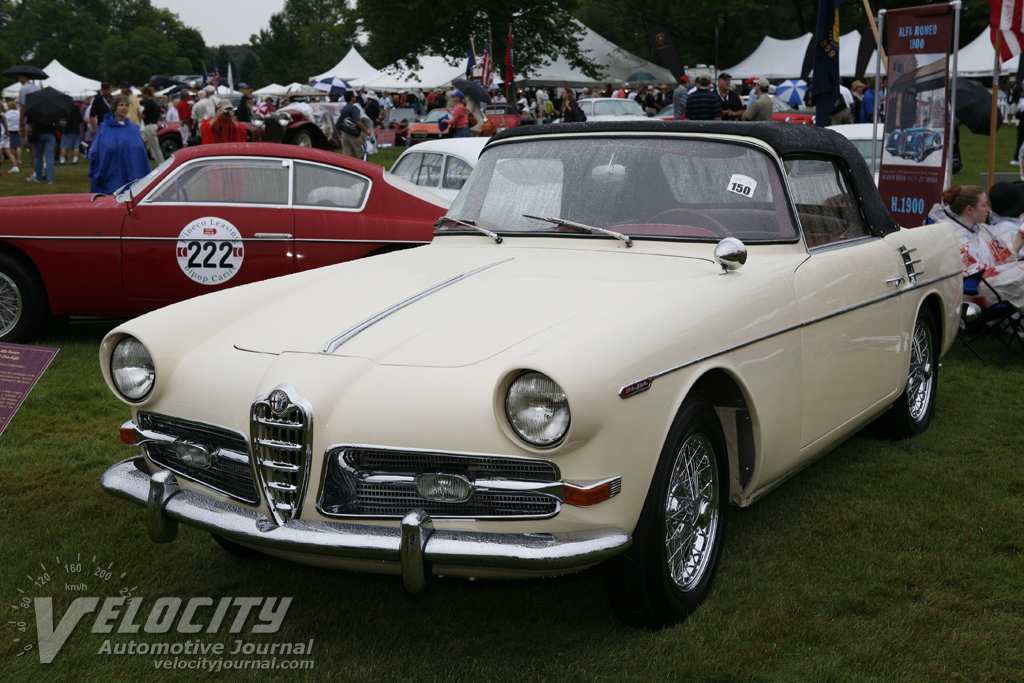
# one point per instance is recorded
(281, 452)
(230, 472)
(347, 493)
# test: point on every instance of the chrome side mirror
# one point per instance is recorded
(730, 254)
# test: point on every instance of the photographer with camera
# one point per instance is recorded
(223, 127)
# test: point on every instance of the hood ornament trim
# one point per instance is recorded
(332, 345)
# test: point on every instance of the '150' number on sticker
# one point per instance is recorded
(210, 249)
(741, 189)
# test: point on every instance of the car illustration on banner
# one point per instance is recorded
(619, 329)
(209, 217)
(913, 143)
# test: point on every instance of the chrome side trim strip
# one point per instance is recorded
(554, 553)
(645, 383)
(332, 345)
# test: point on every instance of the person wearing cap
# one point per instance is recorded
(863, 102)
(732, 105)
(205, 108)
(460, 115)
(761, 108)
(100, 106)
(116, 155)
(223, 127)
(679, 97)
(150, 121)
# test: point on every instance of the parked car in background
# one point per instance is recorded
(169, 135)
(208, 218)
(502, 115)
(860, 135)
(781, 111)
(611, 109)
(396, 115)
(427, 128)
(913, 143)
(618, 330)
(306, 124)
(441, 166)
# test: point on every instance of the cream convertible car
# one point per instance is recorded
(577, 370)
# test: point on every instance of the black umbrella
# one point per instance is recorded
(24, 70)
(474, 90)
(974, 106)
(47, 106)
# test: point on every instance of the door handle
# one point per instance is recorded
(273, 236)
(895, 281)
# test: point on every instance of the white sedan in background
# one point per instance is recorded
(440, 166)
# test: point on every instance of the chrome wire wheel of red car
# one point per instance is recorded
(912, 411)
(677, 542)
(21, 300)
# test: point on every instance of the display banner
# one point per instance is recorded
(917, 124)
(20, 369)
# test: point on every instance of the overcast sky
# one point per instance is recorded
(224, 23)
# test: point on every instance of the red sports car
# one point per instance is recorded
(208, 218)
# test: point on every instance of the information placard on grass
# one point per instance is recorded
(20, 369)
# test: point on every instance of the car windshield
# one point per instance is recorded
(658, 187)
(129, 190)
(435, 115)
(617, 108)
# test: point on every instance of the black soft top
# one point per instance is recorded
(787, 139)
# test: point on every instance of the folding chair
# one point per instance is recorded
(1000, 321)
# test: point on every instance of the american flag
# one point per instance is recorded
(486, 63)
(1006, 18)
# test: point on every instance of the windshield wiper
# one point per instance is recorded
(589, 228)
(469, 224)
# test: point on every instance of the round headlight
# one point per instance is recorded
(537, 409)
(131, 368)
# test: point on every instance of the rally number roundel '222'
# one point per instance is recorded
(210, 250)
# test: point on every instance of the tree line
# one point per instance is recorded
(131, 39)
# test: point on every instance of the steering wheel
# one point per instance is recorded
(659, 218)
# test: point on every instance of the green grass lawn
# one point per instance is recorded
(880, 562)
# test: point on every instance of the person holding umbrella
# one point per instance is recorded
(117, 154)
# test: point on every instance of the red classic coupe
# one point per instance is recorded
(208, 218)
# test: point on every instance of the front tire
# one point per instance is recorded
(22, 303)
(677, 543)
(169, 144)
(912, 412)
(303, 139)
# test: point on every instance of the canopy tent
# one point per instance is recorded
(272, 90)
(434, 72)
(63, 79)
(614, 63)
(776, 59)
(977, 59)
(351, 68)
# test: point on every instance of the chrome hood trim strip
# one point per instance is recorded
(332, 345)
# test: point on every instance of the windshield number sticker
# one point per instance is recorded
(741, 184)
(209, 250)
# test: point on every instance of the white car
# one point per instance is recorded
(440, 166)
(618, 330)
(860, 135)
(612, 109)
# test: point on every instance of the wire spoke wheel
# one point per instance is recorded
(11, 304)
(920, 383)
(691, 512)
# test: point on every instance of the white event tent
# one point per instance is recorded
(63, 79)
(774, 59)
(976, 59)
(351, 68)
(616, 66)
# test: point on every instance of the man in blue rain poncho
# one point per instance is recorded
(117, 154)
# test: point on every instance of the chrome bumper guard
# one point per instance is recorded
(416, 545)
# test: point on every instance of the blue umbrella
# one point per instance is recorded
(792, 91)
(331, 84)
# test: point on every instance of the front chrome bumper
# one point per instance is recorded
(416, 546)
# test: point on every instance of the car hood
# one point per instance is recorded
(445, 307)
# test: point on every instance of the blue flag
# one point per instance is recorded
(472, 60)
(825, 86)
